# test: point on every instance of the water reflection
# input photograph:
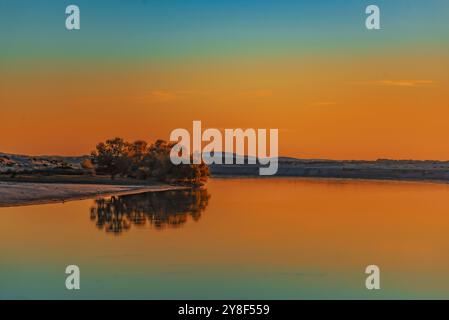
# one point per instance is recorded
(159, 209)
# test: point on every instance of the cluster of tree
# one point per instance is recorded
(140, 160)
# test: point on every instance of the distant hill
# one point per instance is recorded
(23, 163)
(323, 168)
(288, 167)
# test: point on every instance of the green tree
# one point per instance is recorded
(137, 152)
(138, 160)
(111, 157)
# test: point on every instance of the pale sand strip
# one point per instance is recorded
(21, 194)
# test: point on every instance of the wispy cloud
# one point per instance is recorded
(257, 94)
(406, 83)
(164, 95)
(397, 83)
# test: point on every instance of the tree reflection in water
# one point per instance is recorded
(159, 209)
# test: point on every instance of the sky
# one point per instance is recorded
(140, 69)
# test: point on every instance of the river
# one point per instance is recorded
(238, 239)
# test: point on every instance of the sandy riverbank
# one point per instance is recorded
(23, 193)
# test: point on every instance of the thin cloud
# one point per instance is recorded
(257, 94)
(406, 83)
(397, 83)
(165, 95)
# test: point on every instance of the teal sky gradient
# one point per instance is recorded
(142, 30)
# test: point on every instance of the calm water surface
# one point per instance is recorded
(243, 238)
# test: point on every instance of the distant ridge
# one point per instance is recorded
(431, 170)
(22, 163)
(350, 169)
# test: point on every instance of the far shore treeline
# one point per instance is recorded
(140, 160)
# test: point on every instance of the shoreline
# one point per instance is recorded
(24, 193)
(404, 170)
(17, 194)
(333, 178)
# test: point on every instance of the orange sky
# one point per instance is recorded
(345, 107)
